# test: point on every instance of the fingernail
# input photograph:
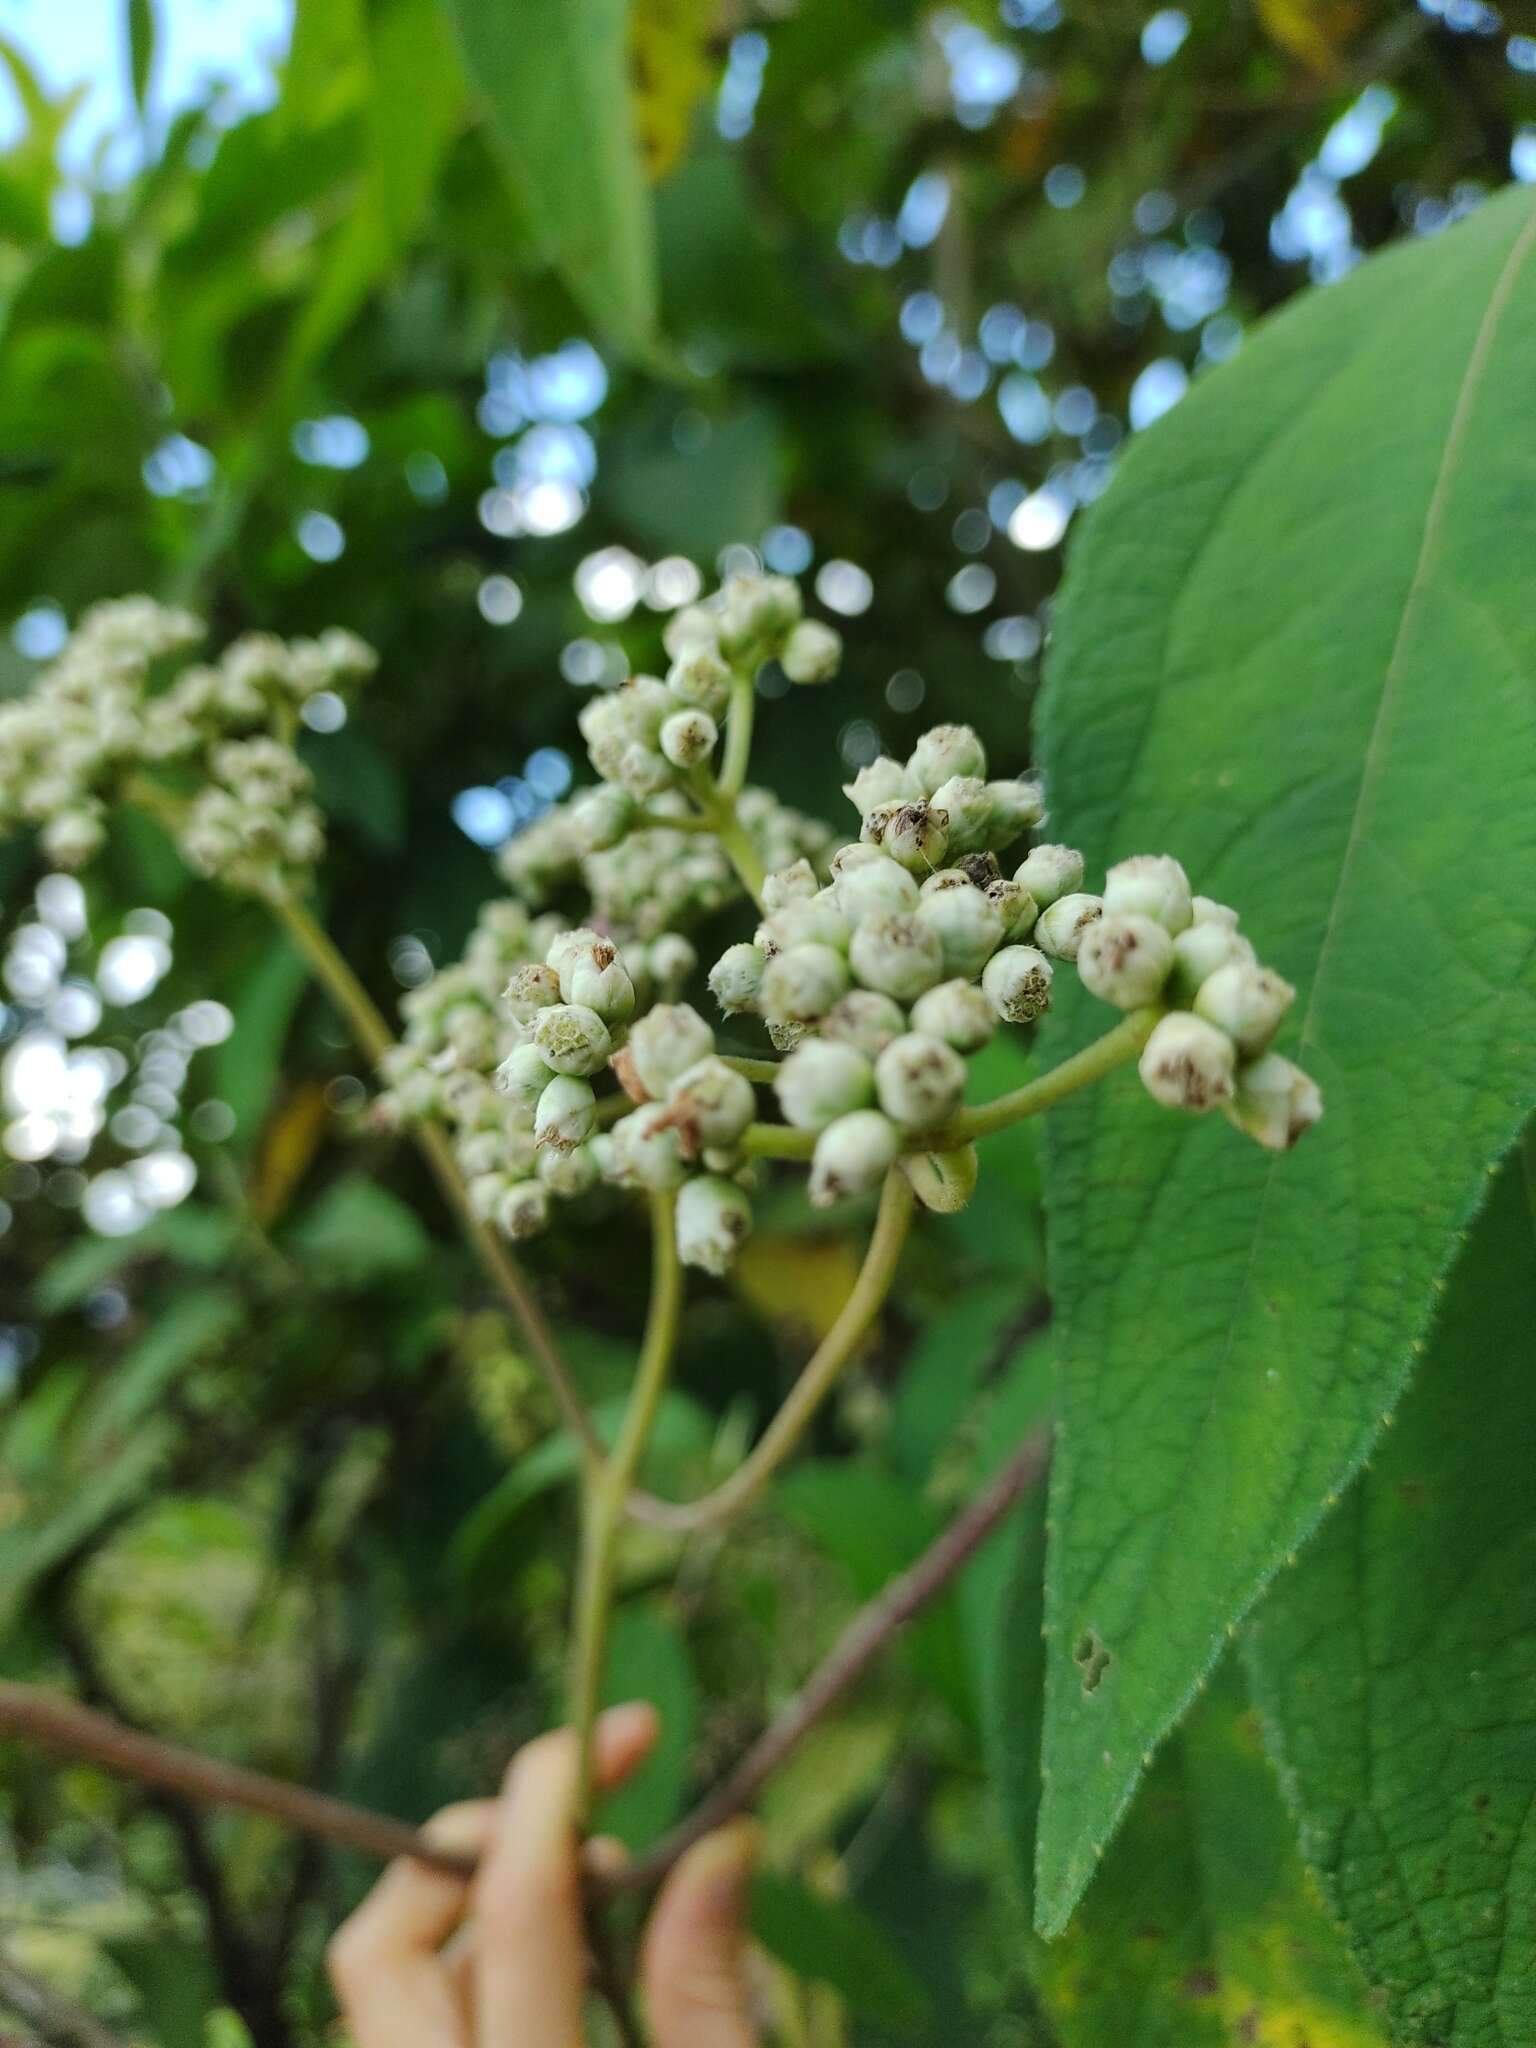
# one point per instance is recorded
(632, 1718)
(729, 1857)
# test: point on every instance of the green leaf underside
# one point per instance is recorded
(1396, 1669)
(1297, 635)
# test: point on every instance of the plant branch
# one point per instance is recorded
(1080, 1070)
(865, 1637)
(57, 2021)
(738, 737)
(827, 1362)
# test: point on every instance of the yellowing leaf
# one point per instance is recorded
(798, 1283)
(288, 1148)
(672, 70)
(1316, 31)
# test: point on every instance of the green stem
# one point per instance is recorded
(1081, 1070)
(761, 1072)
(738, 736)
(608, 1488)
(777, 1141)
(794, 1417)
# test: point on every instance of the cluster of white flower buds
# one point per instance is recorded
(106, 711)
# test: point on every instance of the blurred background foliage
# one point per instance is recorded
(478, 344)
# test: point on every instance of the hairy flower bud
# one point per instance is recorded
(865, 887)
(803, 982)
(919, 1081)
(647, 1149)
(567, 1113)
(572, 1038)
(1060, 926)
(865, 1020)
(1125, 960)
(599, 979)
(669, 960)
(533, 987)
(666, 1042)
(852, 1156)
(736, 979)
(958, 1012)
(700, 677)
(568, 946)
(1187, 1063)
(943, 751)
(965, 803)
(1017, 983)
(524, 1075)
(1018, 805)
(1050, 872)
(968, 922)
(523, 1210)
(807, 921)
(601, 817)
(1207, 910)
(1201, 949)
(895, 952)
(756, 613)
(1274, 1102)
(881, 781)
(1015, 906)
(689, 737)
(572, 1173)
(643, 770)
(1150, 885)
(794, 884)
(813, 653)
(714, 1220)
(711, 1104)
(689, 629)
(823, 1079)
(915, 833)
(1247, 1002)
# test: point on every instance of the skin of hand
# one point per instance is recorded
(499, 1961)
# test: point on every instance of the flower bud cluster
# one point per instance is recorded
(106, 710)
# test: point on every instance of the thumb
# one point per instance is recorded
(693, 1967)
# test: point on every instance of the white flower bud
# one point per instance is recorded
(486, 1192)
(968, 922)
(881, 781)
(1018, 805)
(1208, 911)
(601, 817)
(1247, 1002)
(852, 1156)
(1015, 906)
(865, 1020)
(823, 1079)
(794, 884)
(736, 979)
(807, 921)
(864, 887)
(1150, 885)
(689, 737)
(813, 653)
(1274, 1102)
(523, 1210)
(572, 1173)
(896, 953)
(946, 750)
(666, 1042)
(1125, 960)
(803, 982)
(714, 1220)
(1199, 951)
(568, 946)
(919, 1081)
(700, 677)
(533, 987)
(1187, 1063)
(965, 803)
(958, 1012)
(1060, 926)
(72, 837)
(916, 833)
(670, 959)
(647, 1149)
(1050, 872)
(567, 1113)
(688, 630)
(711, 1104)
(756, 612)
(572, 1038)
(1017, 983)
(600, 980)
(524, 1075)
(643, 770)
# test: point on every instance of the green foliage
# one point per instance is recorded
(1288, 670)
(1396, 1666)
(832, 1942)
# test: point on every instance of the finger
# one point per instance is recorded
(383, 1960)
(530, 1954)
(693, 1967)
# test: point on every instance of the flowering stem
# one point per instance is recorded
(1079, 1071)
(761, 1072)
(738, 736)
(777, 1141)
(827, 1362)
(608, 1487)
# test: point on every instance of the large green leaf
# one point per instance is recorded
(1396, 1669)
(554, 75)
(1296, 649)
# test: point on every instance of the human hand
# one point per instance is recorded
(499, 1961)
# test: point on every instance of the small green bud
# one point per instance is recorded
(807, 921)
(1015, 906)
(1274, 1102)
(665, 1043)
(813, 653)
(647, 1149)
(1187, 1063)
(524, 1075)
(572, 1173)
(700, 677)
(523, 1210)
(567, 1113)
(670, 959)
(1125, 960)
(1199, 951)
(572, 1038)
(1150, 885)
(943, 1181)
(852, 1156)
(756, 614)
(794, 884)
(915, 833)
(711, 1104)
(1060, 926)
(968, 922)
(736, 979)
(865, 887)
(600, 980)
(532, 988)
(965, 803)
(958, 1012)
(601, 817)
(823, 1079)
(897, 954)
(714, 1220)
(865, 1020)
(803, 982)
(1017, 983)
(1050, 872)
(919, 1081)
(881, 781)
(943, 751)
(689, 737)
(1018, 806)
(1247, 1002)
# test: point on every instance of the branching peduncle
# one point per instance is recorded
(738, 736)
